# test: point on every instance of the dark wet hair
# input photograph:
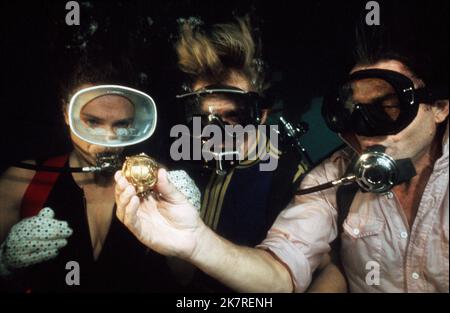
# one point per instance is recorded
(97, 69)
(418, 42)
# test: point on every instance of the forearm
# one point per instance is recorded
(329, 280)
(240, 268)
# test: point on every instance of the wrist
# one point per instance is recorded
(202, 239)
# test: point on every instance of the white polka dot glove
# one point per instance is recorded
(186, 186)
(33, 240)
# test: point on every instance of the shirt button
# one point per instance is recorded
(404, 234)
(390, 195)
(415, 275)
(356, 231)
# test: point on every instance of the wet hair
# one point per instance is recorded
(98, 70)
(422, 48)
(213, 53)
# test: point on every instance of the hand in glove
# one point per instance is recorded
(184, 183)
(33, 240)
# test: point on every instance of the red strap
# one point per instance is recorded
(40, 187)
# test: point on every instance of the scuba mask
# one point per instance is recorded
(110, 116)
(376, 102)
(224, 106)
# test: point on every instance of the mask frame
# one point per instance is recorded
(362, 120)
(142, 113)
(250, 99)
(246, 100)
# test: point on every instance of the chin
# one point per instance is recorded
(398, 153)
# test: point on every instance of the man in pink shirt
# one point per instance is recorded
(394, 241)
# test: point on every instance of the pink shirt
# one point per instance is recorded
(379, 252)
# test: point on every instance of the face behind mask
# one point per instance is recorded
(108, 116)
(376, 102)
(112, 116)
(223, 107)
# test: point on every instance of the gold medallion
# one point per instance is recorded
(142, 172)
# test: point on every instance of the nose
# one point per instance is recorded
(110, 133)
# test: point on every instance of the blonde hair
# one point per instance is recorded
(213, 55)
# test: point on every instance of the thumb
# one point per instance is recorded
(167, 190)
(47, 213)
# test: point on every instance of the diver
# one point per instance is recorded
(64, 211)
(393, 106)
(225, 85)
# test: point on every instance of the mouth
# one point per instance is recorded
(109, 162)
